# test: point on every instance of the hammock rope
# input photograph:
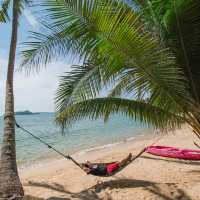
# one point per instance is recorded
(197, 145)
(49, 146)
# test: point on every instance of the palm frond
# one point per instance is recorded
(45, 49)
(124, 85)
(4, 8)
(71, 29)
(185, 33)
(104, 107)
(72, 80)
(4, 17)
(22, 4)
(135, 81)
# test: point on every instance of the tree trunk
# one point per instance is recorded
(10, 185)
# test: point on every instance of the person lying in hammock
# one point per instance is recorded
(103, 169)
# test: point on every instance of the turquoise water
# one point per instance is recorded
(83, 135)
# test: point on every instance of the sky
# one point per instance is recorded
(34, 92)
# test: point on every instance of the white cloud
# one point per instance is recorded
(30, 18)
(35, 92)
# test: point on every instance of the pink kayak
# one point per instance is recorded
(172, 152)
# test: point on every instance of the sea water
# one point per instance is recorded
(85, 134)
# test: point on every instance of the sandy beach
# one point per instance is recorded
(147, 178)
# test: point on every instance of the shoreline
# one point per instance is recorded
(142, 135)
(79, 153)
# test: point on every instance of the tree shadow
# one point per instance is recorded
(91, 193)
(121, 183)
(30, 197)
(194, 172)
(83, 195)
(187, 162)
(112, 184)
(173, 194)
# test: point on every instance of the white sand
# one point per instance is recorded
(147, 178)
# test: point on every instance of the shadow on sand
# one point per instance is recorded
(92, 193)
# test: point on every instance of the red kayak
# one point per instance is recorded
(172, 152)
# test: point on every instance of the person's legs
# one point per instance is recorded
(112, 167)
(125, 160)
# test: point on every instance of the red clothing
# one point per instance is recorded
(112, 167)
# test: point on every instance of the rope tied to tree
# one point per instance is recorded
(8, 115)
(42, 141)
(49, 146)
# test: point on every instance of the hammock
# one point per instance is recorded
(81, 165)
(120, 168)
(172, 152)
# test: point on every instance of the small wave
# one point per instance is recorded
(106, 146)
(97, 148)
(130, 139)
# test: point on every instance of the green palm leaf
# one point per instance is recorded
(4, 8)
(185, 33)
(4, 17)
(69, 82)
(104, 107)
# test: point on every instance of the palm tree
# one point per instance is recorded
(10, 185)
(117, 51)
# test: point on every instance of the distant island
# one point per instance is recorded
(26, 112)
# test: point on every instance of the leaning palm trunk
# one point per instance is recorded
(10, 185)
